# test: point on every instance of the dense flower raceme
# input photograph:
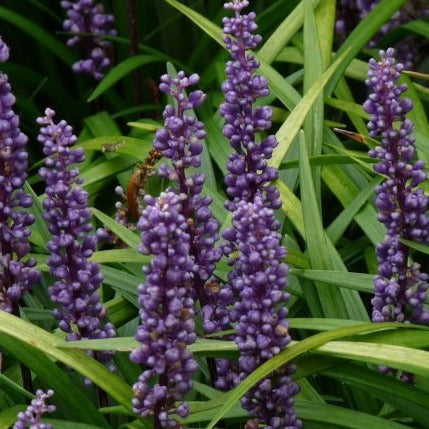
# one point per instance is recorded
(166, 310)
(351, 12)
(178, 228)
(80, 313)
(16, 275)
(258, 276)
(247, 166)
(85, 16)
(400, 287)
(30, 418)
(181, 141)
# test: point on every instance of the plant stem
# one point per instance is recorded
(134, 47)
(103, 400)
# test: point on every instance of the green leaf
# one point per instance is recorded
(283, 33)
(329, 159)
(8, 417)
(357, 281)
(14, 390)
(341, 417)
(144, 125)
(120, 311)
(290, 128)
(347, 106)
(337, 228)
(123, 282)
(119, 255)
(123, 344)
(119, 71)
(291, 206)
(313, 412)
(37, 211)
(418, 116)
(346, 184)
(419, 27)
(126, 344)
(325, 14)
(128, 237)
(403, 358)
(291, 352)
(331, 302)
(211, 29)
(315, 238)
(106, 169)
(313, 69)
(405, 397)
(424, 248)
(344, 94)
(137, 148)
(47, 343)
(28, 350)
(320, 324)
(284, 91)
(361, 35)
(44, 37)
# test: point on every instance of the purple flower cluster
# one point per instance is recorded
(30, 418)
(259, 279)
(253, 246)
(16, 275)
(400, 287)
(179, 229)
(351, 12)
(247, 165)
(80, 314)
(166, 310)
(180, 141)
(84, 16)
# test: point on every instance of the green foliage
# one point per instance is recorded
(328, 217)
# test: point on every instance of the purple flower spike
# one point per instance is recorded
(178, 228)
(30, 418)
(247, 166)
(80, 313)
(259, 279)
(84, 16)
(181, 141)
(16, 275)
(400, 288)
(166, 310)
(253, 246)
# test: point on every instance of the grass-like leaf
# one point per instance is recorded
(119, 71)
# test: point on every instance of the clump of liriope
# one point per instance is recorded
(17, 274)
(80, 313)
(400, 287)
(85, 16)
(178, 229)
(30, 418)
(253, 245)
(351, 12)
